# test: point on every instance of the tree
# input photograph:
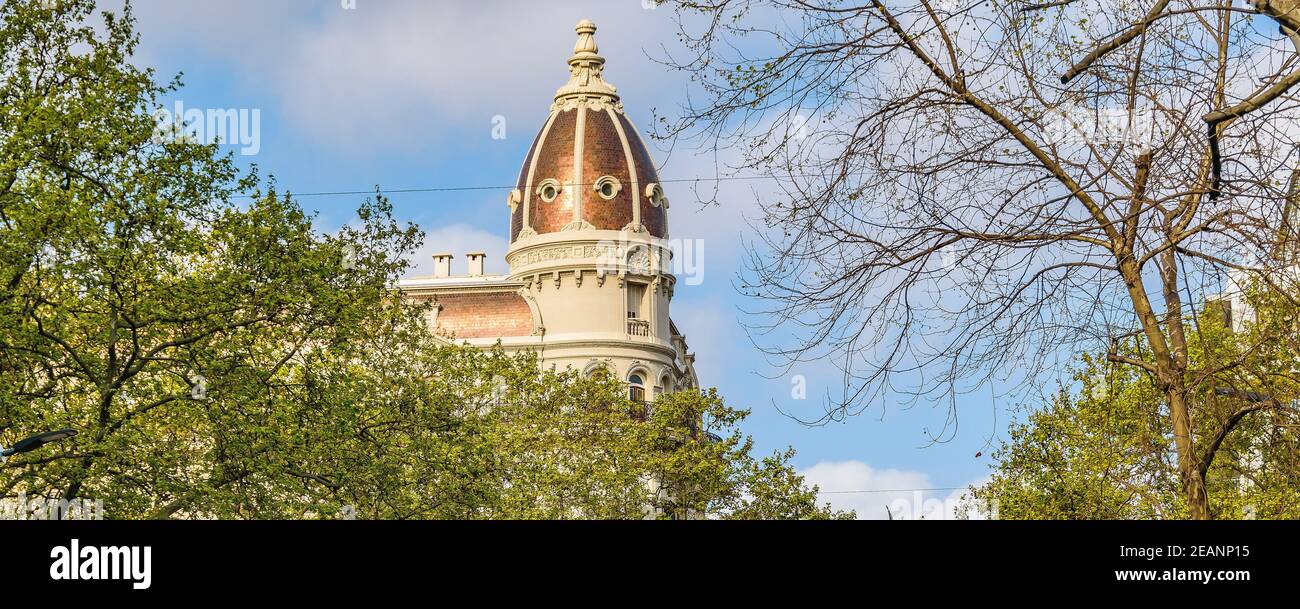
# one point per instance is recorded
(986, 189)
(221, 358)
(574, 447)
(1103, 452)
(143, 299)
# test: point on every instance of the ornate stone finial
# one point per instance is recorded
(585, 68)
(586, 38)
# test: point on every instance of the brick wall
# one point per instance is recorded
(484, 315)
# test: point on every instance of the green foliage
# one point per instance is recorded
(1104, 453)
(135, 278)
(1105, 450)
(220, 358)
(565, 446)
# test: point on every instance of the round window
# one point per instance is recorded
(549, 190)
(608, 187)
(656, 195)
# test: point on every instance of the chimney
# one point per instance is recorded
(442, 265)
(476, 263)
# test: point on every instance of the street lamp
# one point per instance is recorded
(35, 442)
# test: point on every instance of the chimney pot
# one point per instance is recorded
(476, 263)
(442, 265)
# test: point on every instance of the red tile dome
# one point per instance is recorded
(588, 167)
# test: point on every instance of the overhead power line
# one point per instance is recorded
(333, 193)
(894, 490)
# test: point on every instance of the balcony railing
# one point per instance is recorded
(638, 327)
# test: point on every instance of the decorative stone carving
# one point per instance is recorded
(564, 252)
(585, 67)
(595, 104)
(639, 259)
(655, 194)
(432, 315)
(593, 364)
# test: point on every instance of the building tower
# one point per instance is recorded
(589, 285)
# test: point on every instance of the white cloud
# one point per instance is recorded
(458, 240)
(389, 73)
(875, 493)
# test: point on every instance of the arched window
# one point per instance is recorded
(636, 388)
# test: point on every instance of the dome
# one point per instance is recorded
(588, 167)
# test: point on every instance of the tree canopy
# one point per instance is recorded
(221, 357)
(1103, 448)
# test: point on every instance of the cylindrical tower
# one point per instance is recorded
(589, 236)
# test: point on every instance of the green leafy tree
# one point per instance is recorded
(143, 302)
(560, 445)
(1100, 454)
(223, 359)
(1106, 449)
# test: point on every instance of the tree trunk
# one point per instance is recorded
(1198, 502)
(1168, 373)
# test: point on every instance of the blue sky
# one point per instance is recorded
(404, 94)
